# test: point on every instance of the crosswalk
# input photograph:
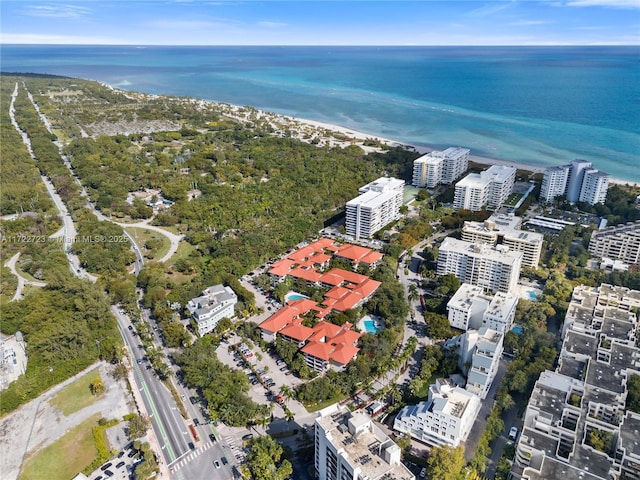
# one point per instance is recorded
(178, 464)
(237, 451)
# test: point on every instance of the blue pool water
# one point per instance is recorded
(517, 329)
(532, 295)
(370, 326)
(291, 296)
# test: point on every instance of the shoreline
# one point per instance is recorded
(276, 121)
(423, 149)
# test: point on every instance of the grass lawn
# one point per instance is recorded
(513, 199)
(160, 243)
(314, 407)
(64, 458)
(76, 396)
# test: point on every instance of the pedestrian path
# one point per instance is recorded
(177, 465)
(237, 451)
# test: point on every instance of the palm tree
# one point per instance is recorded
(413, 292)
(286, 392)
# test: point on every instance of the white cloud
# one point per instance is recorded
(490, 8)
(44, 39)
(56, 11)
(187, 25)
(604, 3)
(526, 23)
(272, 24)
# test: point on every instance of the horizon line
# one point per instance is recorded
(321, 45)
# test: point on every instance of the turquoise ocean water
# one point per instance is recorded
(538, 105)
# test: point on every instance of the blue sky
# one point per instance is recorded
(228, 22)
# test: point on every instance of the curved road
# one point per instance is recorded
(22, 281)
(173, 238)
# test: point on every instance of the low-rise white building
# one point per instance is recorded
(467, 306)
(472, 308)
(215, 303)
(445, 418)
(350, 446)
(377, 205)
(621, 242)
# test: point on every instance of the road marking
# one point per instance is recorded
(179, 463)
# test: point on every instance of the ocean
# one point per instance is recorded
(542, 106)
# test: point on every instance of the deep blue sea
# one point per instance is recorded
(538, 105)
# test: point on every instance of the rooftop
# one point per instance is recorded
(363, 444)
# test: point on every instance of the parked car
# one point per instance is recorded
(513, 433)
(216, 463)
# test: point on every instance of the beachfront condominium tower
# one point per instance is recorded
(437, 167)
(350, 446)
(578, 180)
(594, 186)
(494, 268)
(576, 175)
(489, 188)
(554, 182)
(377, 205)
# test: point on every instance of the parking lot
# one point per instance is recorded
(272, 373)
(120, 468)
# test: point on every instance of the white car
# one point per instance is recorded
(513, 433)
(216, 463)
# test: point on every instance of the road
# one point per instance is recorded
(169, 426)
(22, 281)
(69, 230)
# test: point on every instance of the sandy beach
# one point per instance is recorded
(360, 137)
(327, 134)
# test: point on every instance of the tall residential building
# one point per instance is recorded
(576, 175)
(437, 167)
(471, 308)
(494, 268)
(377, 205)
(577, 424)
(350, 446)
(554, 182)
(489, 188)
(503, 230)
(618, 243)
(445, 418)
(594, 186)
(578, 180)
(215, 303)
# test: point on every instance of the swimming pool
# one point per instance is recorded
(291, 296)
(370, 326)
(532, 295)
(517, 329)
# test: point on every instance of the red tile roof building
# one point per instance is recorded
(325, 344)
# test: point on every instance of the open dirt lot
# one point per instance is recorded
(38, 424)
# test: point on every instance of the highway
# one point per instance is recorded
(171, 430)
